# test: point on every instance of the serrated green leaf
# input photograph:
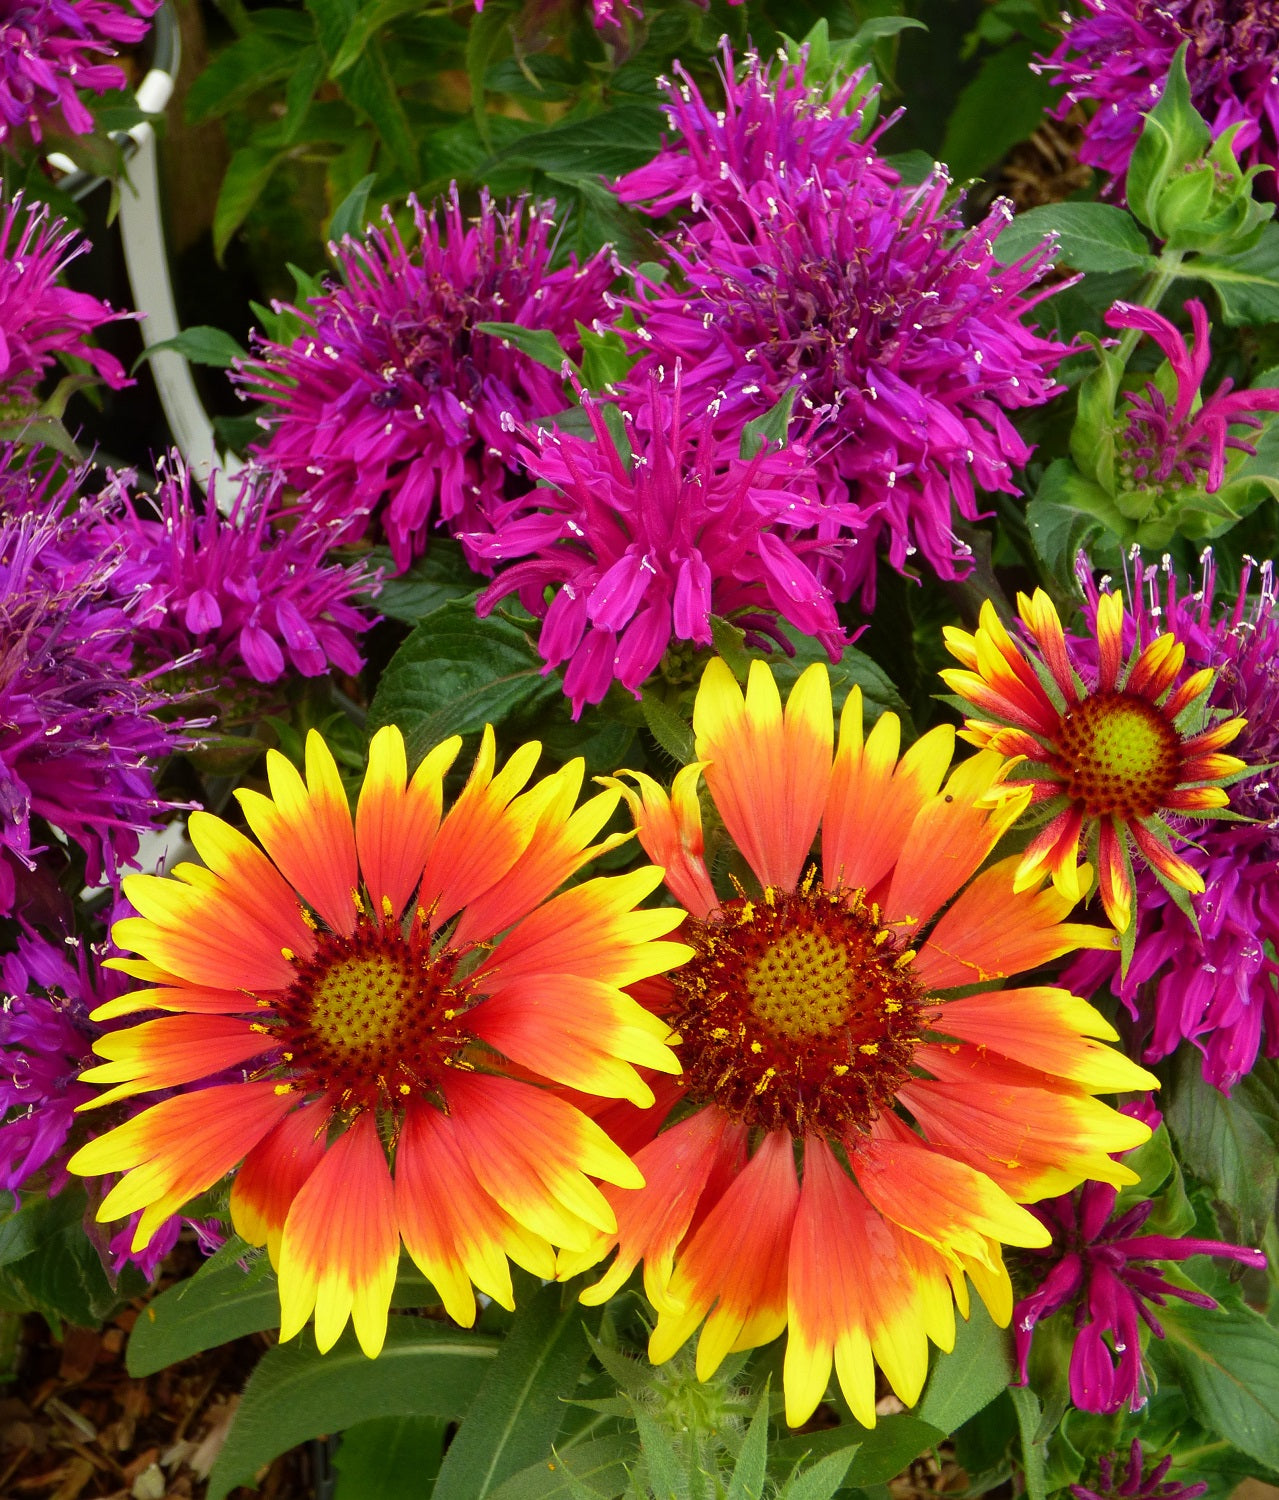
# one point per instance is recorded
(427, 584)
(247, 174)
(1029, 1412)
(1247, 284)
(389, 1457)
(350, 216)
(853, 668)
(820, 1480)
(455, 674)
(367, 22)
(368, 84)
(252, 62)
(484, 35)
(971, 1376)
(62, 1277)
(769, 430)
(883, 1451)
(1090, 237)
(425, 1369)
(538, 343)
(667, 1476)
(200, 344)
(1002, 105)
(520, 1407)
(668, 729)
(606, 144)
(751, 1468)
(598, 1468)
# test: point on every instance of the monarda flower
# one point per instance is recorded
(645, 535)
(252, 597)
(41, 320)
(51, 51)
(785, 1190)
(80, 735)
(1107, 1272)
(1136, 1482)
(1108, 760)
(1211, 981)
(1118, 55)
(905, 339)
(393, 407)
(401, 979)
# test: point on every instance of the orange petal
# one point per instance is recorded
(192, 999)
(874, 798)
(178, 1148)
(340, 1245)
(1194, 685)
(169, 1051)
(767, 770)
(1041, 618)
(670, 833)
(396, 819)
(306, 829)
(455, 1232)
(993, 931)
(1055, 851)
(1110, 641)
(1157, 668)
(735, 1260)
(249, 878)
(1115, 877)
(273, 1174)
(1160, 857)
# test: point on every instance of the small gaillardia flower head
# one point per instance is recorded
(1210, 981)
(1118, 55)
(1136, 1482)
(786, 1190)
(51, 51)
(397, 982)
(1107, 761)
(40, 318)
(392, 407)
(650, 528)
(1103, 1269)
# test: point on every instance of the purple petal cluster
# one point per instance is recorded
(52, 50)
(1102, 1268)
(1117, 56)
(80, 735)
(904, 337)
(648, 528)
(39, 318)
(1135, 1483)
(392, 408)
(1214, 987)
(251, 595)
(1183, 445)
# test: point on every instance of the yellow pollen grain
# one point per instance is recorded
(287, 955)
(388, 910)
(309, 918)
(869, 1048)
(719, 1033)
(766, 1077)
(405, 1089)
(757, 1047)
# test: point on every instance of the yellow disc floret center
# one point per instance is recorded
(1122, 756)
(798, 1011)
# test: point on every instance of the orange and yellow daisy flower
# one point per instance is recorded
(373, 981)
(1106, 763)
(864, 1109)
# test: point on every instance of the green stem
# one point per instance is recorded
(1152, 294)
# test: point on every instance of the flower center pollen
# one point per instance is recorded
(798, 1010)
(1122, 756)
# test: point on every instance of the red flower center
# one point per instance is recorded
(1122, 757)
(798, 1011)
(372, 1018)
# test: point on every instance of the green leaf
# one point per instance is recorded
(605, 358)
(425, 1370)
(37, 1221)
(1090, 237)
(62, 1277)
(368, 21)
(200, 344)
(853, 667)
(883, 1451)
(1029, 1412)
(820, 1480)
(261, 57)
(751, 1468)
(218, 1303)
(247, 174)
(520, 1406)
(667, 1475)
(369, 85)
(1002, 105)
(389, 1457)
(1173, 136)
(668, 729)
(431, 581)
(349, 216)
(606, 144)
(485, 34)
(1229, 1139)
(1229, 1363)
(600, 1467)
(769, 430)
(971, 1376)
(1066, 513)
(538, 343)
(455, 674)
(1247, 284)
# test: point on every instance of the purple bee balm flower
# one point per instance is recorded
(1107, 1272)
(40, 319)
(1118, 56)
(252, 599)
(79, 734)
(773, 125)
(1167, 447)
(1136, 1483)
(392, 406)
(1215, 986)
(644, 536)
(51, 51)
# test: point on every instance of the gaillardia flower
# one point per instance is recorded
(786, 1190)
(1107, 762)
(355, 971)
